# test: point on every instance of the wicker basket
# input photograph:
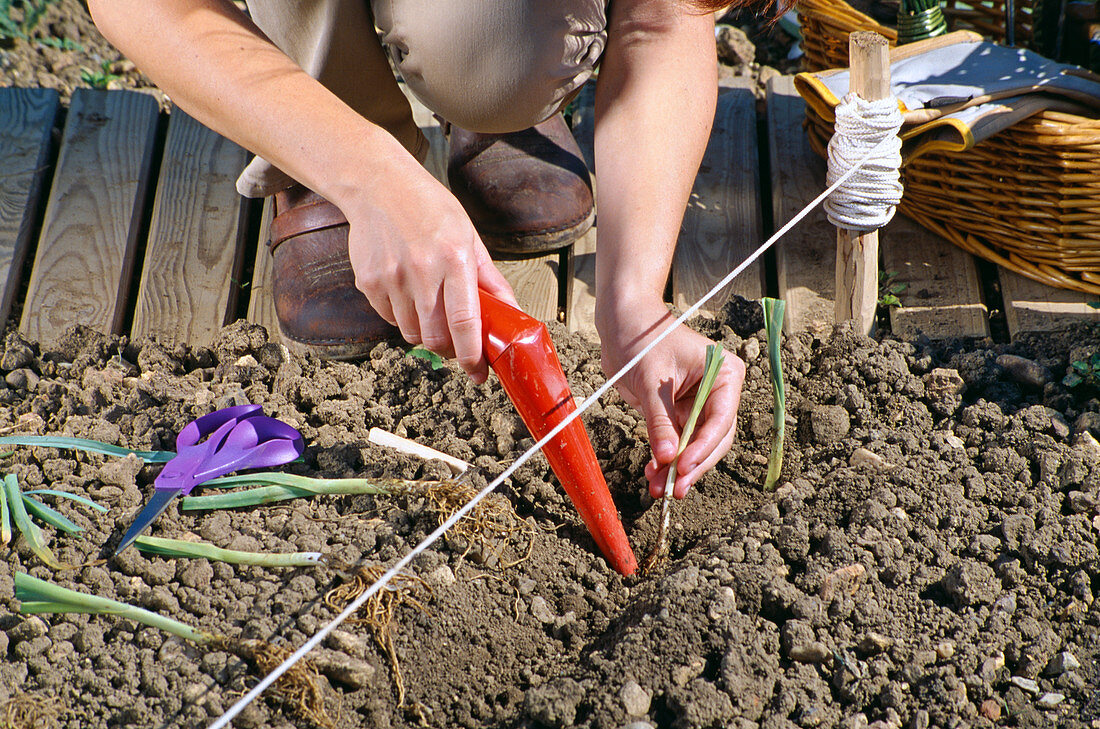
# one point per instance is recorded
(1027, 198)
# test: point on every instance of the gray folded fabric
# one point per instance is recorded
(957, 89)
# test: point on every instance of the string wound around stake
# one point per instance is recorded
(868, 199)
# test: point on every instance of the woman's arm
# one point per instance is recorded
(418, 271)
(655, 101)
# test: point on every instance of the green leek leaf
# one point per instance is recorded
(84, 444)
(180, 548)
(68, 495)
(51, 516)
(23, 523)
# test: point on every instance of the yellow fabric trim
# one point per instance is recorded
(816, 94)
(958, 124)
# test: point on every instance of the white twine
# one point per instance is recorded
(392, 572)
(869, 199)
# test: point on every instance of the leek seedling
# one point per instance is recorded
(773, 325)
(26, 527)
(5, 518)
(299, 686)
(180, 548)
(38, 596)
(20, 507)
(50, 516)
(84, 444)
(710, 374)
(282, 486)
(66, 495)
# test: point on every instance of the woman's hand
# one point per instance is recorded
(419, 261)
(663, 387)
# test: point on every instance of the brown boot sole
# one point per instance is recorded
(518, 247)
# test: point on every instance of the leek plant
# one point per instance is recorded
(299, 686)
(773, 325)
(84, 444)
(277, 486)
(17, 508)
(710, 374)
(173, 548)
(37, 596)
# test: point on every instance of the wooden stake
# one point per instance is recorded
(857, 253)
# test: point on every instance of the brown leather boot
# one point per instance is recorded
(526, 192)
(318, 306)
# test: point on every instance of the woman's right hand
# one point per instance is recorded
(419, 261)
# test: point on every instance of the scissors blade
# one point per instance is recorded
(156, 506)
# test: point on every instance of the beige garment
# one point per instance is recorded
(484, 65)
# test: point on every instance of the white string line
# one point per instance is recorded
(392, 572)
(869, 199)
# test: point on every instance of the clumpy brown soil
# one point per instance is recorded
(64, 51)
(941, 576)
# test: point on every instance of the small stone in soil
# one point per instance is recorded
(541, 610)
(1062, 662)
(636, 700)
(749, 349)
(864, 457)
(1026, 684)
(874, 643)
(990, 709)
(1050, 700)
(22, 379)
(1024, 371)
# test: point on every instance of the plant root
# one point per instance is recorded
(300, 687)
(660, 549)
(29, 711)
(492, 522)
(378, 611)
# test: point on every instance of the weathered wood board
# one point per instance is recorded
(261, 305)
(26, 121)
(722, 224)
(193, 258)
(1031, 306)
(943, 293)
(85, 258)
(806, 256)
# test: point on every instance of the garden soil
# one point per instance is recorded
(930, 558)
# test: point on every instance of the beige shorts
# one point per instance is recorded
(484, 65)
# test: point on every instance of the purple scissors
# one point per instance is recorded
(236, 437)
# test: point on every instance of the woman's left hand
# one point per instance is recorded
(663, 386)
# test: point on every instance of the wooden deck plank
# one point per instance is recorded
(1031, 306)
(535, 283)
(806, 256)
(85, 254)
(193, 259)
(261, 305)
(580, 270)
(943, 293)
(26, 121)
(722, 224)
